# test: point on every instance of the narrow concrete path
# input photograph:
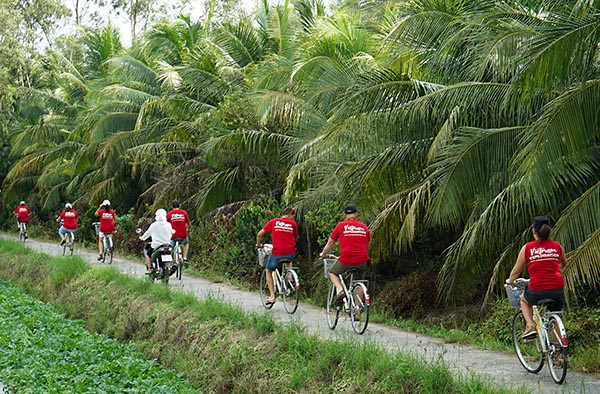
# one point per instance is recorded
(502, 368)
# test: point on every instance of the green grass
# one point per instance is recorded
(218, 347)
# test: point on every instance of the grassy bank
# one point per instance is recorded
(217, 347)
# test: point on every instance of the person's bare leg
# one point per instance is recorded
(335, 279)
(270, 285)
(527, 311)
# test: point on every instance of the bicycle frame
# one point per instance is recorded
(107, 241)
(177, 253)
(279, 279)
(541, 325)
(69, 240)
(356, 302)
(22, 231)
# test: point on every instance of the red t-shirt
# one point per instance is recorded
(69, 219)
(178, 219)
(107, 220)
(354, 238)
(283, 232)
(22, 212)
(543, 264)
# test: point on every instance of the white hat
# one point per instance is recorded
(160, 215)
(68, 205)
(22, 203)
(105, 202)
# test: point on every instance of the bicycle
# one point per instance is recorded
(69, 242)
(551, 341)
(107, 244)
(22, 231)
(357, 306)
(178, 256)
(285, 281)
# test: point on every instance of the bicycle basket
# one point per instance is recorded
(327, 263)
(514, 293)
(263, 254)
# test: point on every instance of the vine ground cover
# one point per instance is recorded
(43, 352)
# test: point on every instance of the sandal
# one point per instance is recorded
(270, 300)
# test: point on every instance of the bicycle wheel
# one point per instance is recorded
(529, 351)
(333, 311)
(360, 305)
(264, 290)
(290, 293)
(71, 243)
(164, 273)
(22, 232)
(178, 260)
(559, 351)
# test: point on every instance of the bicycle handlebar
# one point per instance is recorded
(329, 256)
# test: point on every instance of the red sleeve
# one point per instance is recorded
(268, 227)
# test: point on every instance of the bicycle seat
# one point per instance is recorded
(547, 302)
(285, 261)
(177, 239)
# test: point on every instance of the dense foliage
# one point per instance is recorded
(450, 123)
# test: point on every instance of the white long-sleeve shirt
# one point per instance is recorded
(160, 232)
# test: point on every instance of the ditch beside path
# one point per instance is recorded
(502, 368)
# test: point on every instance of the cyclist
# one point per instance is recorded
(180, 221)
(69, 225)
(22, 213)
(107, 224)
(544, 259)
(284, 232)
(160, 231)
(355, 239)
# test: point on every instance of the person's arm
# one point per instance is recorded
(563, 261)
(327, 248)
(259, 237)
(147, 234)
(518, 267)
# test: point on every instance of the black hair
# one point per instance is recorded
(543, 232)
(289, 211)
(106, 208)
(175, 203)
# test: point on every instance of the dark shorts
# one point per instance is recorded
(182, 241)
(339, 268)
(532, 297)
(274, 261)
(148, 250)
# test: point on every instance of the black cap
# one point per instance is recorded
(350, 209)
(539, 221)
